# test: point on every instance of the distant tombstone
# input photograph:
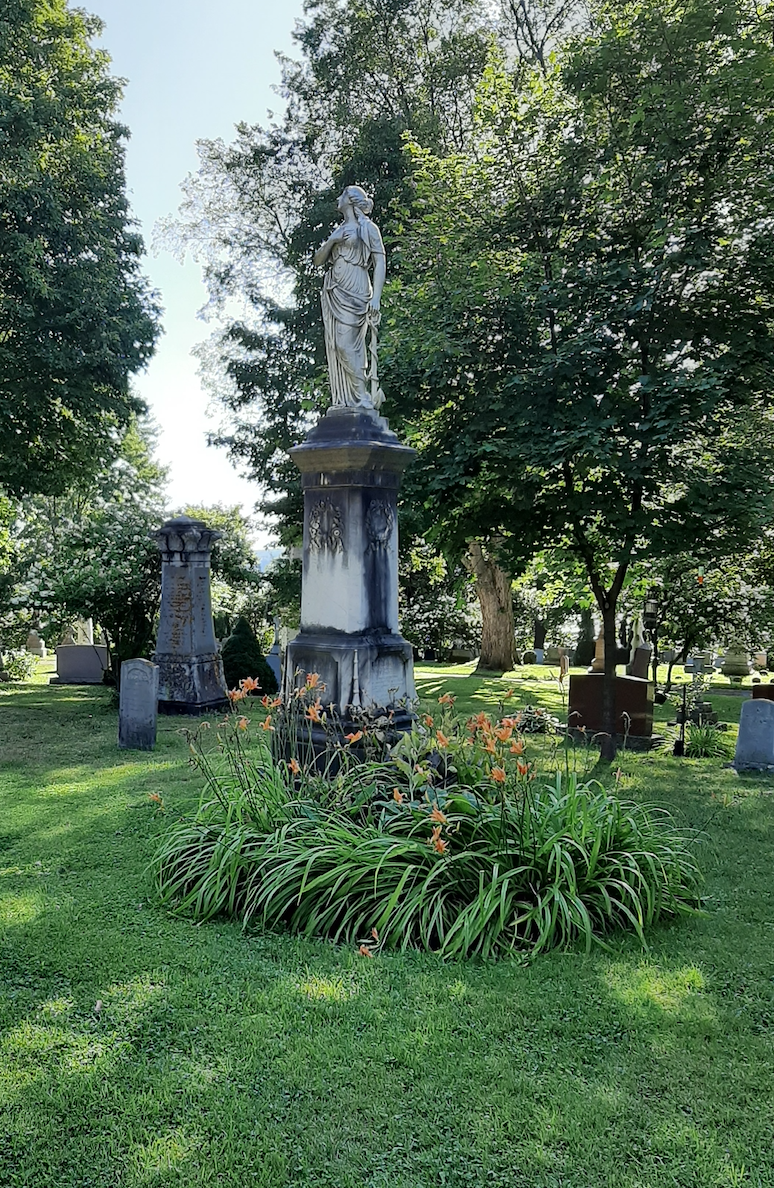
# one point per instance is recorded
(138, 705)
(529, 657)
(36, 645)
(598, 663)
(641, 661)
(755, 742)
(736, 664)
(80, 664)
(564, 664)
(274, 658)
(552, 655)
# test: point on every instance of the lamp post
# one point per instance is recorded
(650, 623)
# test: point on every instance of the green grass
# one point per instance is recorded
(223, 1058)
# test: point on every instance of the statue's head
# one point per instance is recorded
(360, 201)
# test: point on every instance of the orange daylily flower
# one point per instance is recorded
(522, 768)
(156, 798)
(517, 748)
(249, 684)
(243, 723)
(443, 741)
(374, 934)
(314, 712)
(397, 796)
(312, 680)
(266, 723)
(504, 733)
(507, 696)
(446, 699)
(437, 842)
(294, 766)
(437, 815)
(428, 720)
(480, 722)
(236, 694)
(489, 746)
(353, 738)
(364, 951)
(498, 775)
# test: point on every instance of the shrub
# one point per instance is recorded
(242, 658)
(19, 664)
(473, 856)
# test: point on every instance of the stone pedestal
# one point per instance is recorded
(191, 677)
(351, 466)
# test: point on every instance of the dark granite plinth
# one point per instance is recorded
(633, 696)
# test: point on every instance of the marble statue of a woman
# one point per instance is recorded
(350, 302)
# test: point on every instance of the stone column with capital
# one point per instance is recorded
(191, 677)
(351, 467)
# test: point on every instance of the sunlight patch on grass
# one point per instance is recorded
(165, 1153)
(334, 989)
(648, 985)
(21, 907)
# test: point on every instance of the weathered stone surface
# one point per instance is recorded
(137, 709)
(351, 466)
(80, 664)
(191, 677)
(755, 742)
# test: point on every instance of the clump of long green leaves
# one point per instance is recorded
(706, 741)
(449, 842)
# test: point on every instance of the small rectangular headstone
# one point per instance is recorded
(138, 705)
(755, 743)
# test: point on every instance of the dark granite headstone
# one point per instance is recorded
(633, 698)
(138, 705)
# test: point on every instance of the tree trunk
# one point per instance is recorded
(539, 636)
(493, 588)
(609, 725)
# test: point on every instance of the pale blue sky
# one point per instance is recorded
(194, 69)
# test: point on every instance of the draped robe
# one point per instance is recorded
(346, 297)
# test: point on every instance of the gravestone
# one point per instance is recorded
(191, 677)
(274, 657)
(736, 663)
(36, 645)
(633, 704)
(138, 705)
(598, 663)
(755, 742)
(80, 664)
(640, 665)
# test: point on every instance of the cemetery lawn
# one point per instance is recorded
(137, 1049)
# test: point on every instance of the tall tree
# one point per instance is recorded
(259, 207)
(619, 210)
(76, 317)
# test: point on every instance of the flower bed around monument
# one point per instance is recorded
(450, 839)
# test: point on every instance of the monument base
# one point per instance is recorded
(371, 672)
(190, 687)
